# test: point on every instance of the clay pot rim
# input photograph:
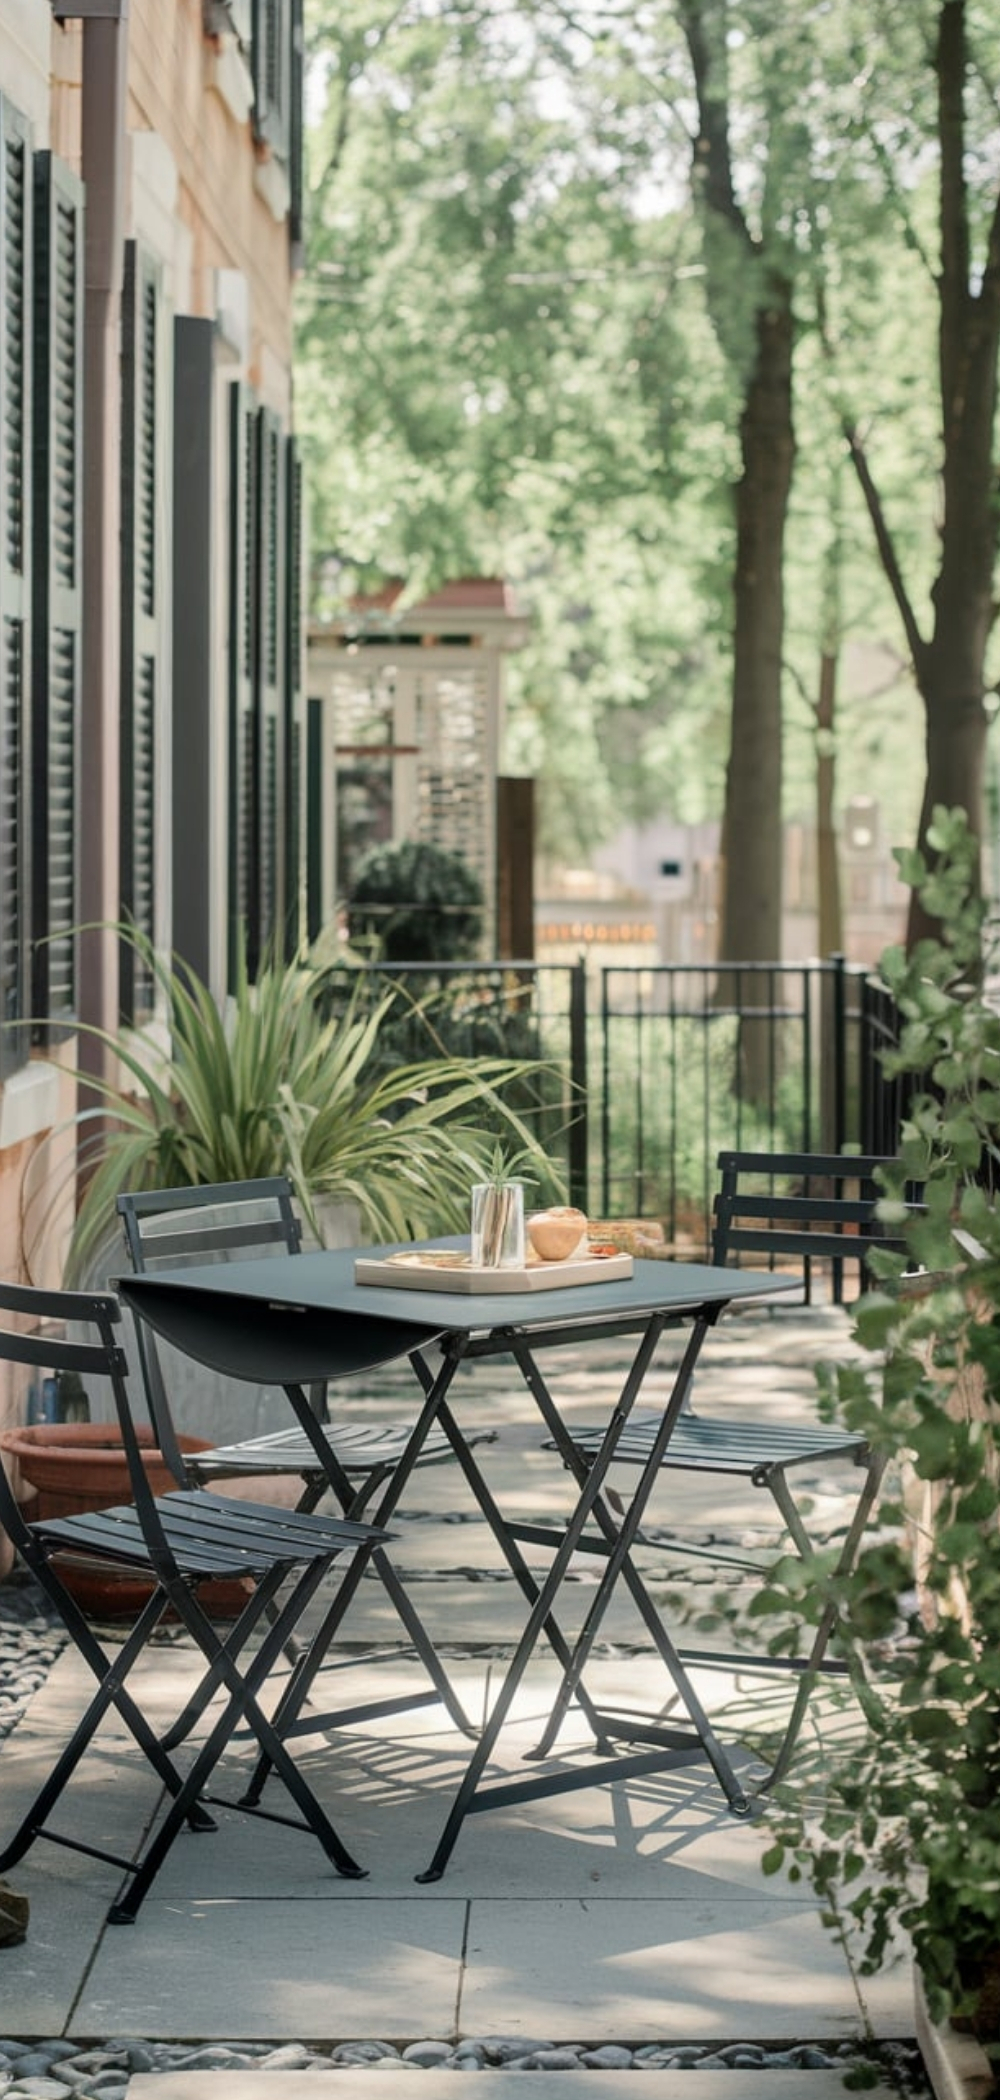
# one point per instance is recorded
(87, 1438)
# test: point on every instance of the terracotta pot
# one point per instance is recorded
(79, 1466)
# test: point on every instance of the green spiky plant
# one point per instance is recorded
(270, 1086)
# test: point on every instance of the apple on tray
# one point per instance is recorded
(557, 1233)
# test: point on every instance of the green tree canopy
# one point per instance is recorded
(522, 352)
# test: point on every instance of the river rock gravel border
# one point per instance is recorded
(60, 2070)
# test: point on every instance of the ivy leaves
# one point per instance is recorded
(912, 1811)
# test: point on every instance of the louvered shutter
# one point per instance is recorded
(272, 73)
(293, 698)
(15, 568)
(58, 580)
(296, 226)
(243, 615)
(144, 599)
(271, 675)
(316, 913)
(194, 708)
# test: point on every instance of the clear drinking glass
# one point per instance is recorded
(498, 1225)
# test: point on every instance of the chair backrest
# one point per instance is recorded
(54, 1341)
(783, 1209)
(171, 1228)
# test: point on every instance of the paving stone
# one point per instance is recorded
(377, 2084)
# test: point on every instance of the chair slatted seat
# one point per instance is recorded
(372, 1452)
(703, 1444)
(206, 1535)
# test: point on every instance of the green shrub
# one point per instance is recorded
(414, 902)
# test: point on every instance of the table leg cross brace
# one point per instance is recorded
(673, 1747)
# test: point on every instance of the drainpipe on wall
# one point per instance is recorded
(102, 167)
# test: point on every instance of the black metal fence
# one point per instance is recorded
(651, 1071)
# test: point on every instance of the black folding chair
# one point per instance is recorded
(176, 1541)
(787, 1211)
(171, 1228)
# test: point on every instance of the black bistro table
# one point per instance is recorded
(292, 1323)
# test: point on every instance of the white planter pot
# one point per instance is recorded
(957, 2066)
(203, 1402)
(339, 1220)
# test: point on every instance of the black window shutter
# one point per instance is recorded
(15, 571)
(194, 706)
(315, 901)
(293, 701)
(243, 649)
(143, 609)
(58, 581)
(271, 676)
(296, 147)
(272, 74)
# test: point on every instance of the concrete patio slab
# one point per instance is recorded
(373, 2083)
(612, 1913)
(265, 1968)
(621, 1913)
(691, 1969)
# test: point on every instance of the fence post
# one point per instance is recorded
(577, 1135)
(839, 1032)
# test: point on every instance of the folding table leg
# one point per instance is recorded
(502, 1531)
(287, 1718)
(566, 1543)
(537, 1619)
(619, 1541)
(506, 1538)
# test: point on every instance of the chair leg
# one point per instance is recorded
(313, 1489)
(261, 1604)
(241, 1703)
(830, 1617)
(111, 1676)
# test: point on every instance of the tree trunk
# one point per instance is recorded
(751, 925)
(742, 280)
(951, 666)
(955, 744)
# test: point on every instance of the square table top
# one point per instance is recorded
(280, 1318)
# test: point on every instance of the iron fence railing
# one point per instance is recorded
(651, 1071)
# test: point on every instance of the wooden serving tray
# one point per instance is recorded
(447, 1269)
